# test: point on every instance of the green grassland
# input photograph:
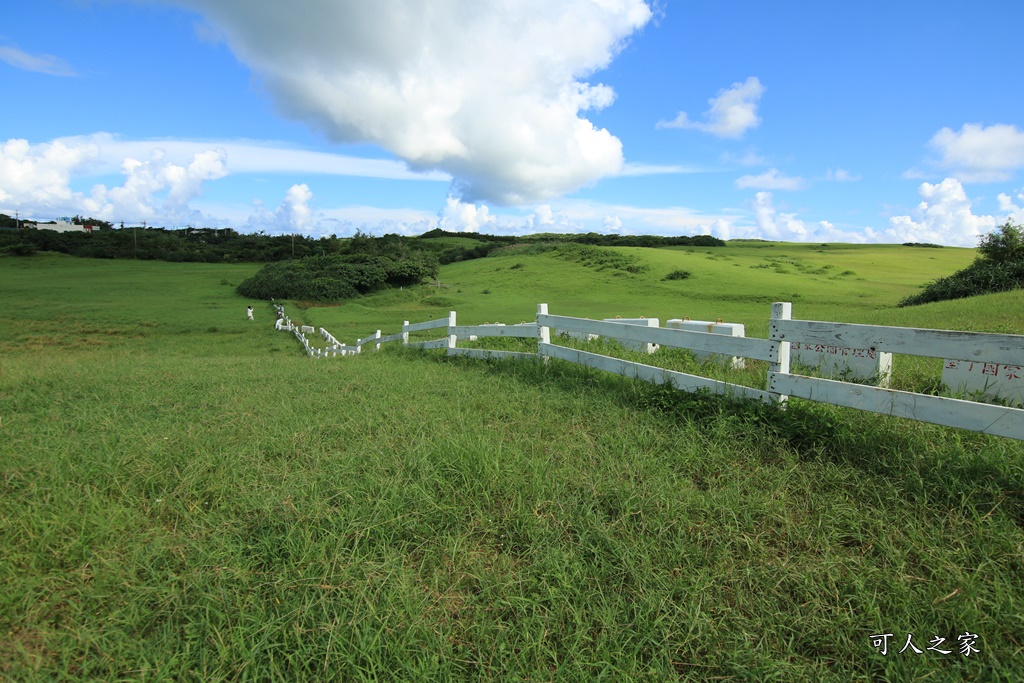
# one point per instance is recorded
(736, 283)
(185, 496)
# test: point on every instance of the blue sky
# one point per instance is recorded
(854, 122)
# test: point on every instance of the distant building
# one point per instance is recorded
(64, 224)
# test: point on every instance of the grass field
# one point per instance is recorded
(185, 496)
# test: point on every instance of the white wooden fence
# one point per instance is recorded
(1004, 349)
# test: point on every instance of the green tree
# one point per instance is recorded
(1004, 244)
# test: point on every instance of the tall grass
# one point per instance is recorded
(178, 504)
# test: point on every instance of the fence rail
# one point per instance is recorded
(1006, 349)
(757, 349)
(649, 373)
(978, 346)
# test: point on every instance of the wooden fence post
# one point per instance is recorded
(544, 332)
(451, 337)
(779, 350)
(405, 333)
(377, 346)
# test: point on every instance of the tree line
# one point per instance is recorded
(220, 245)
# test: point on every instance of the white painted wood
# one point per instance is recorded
(434, 344)
(747, 347)
(528, 331)
(779, 360)
(984, 381)
(452, 339)
(952, 412)
(428, 325)
(373, 337)
(1005, 349)
(725, 329)
(405, 333)
(398, 336)
(484, 354)
(648, 373)
(308, 328)
(543, 331)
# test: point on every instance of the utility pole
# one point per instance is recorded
(17, 220)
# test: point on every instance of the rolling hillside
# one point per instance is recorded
(185, 496)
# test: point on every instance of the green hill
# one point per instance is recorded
(737, 283)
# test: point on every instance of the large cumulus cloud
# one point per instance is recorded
(489, 91)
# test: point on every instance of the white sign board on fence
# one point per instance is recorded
(843, 363)
(984, 380)
(727, 329)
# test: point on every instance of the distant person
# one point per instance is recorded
(249, 311)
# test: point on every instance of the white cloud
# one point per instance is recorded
(637, 169)
(980, 154)
(773, 224)
(44, 64)
(1011, 210)
(297, 215)
(577, 216)
(772, 179)
(732, 113)
(247, 156)
(841, 175)
(295, 212)
(944, 216)
(39, 176)
(488, 93)
(612, 224)
(587, 216)
(37, 179)
(155, 189)
(749, 158)
(459, 216)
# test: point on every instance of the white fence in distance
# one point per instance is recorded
(1002, 349)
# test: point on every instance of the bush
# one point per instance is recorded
(597, 258)
(20, 249)
(1004, 244)
(998, 268)
(335, 277)
(677, 275)
(981, 277)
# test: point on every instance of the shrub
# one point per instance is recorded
(677, 275)
(20, 249)
(597, 258)
(981, 277)
(1004, 244)
(334, 277)
(998, 268)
